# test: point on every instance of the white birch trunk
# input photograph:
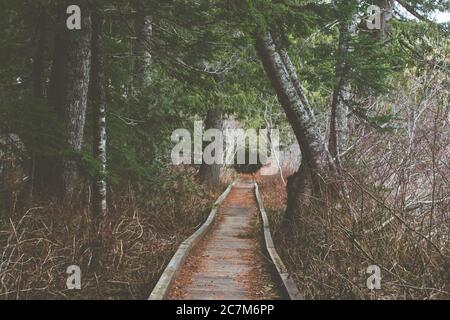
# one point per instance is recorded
(98, 97)
(337, 142)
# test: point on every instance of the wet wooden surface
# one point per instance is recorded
(228, 262)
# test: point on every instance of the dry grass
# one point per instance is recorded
(123, 260)
(328, 252)
(397, 216)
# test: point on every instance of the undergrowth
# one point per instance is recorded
(122, 259)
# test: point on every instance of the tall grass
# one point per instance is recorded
(121, 259)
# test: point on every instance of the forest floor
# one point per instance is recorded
(326, 265)
(136, 242)
(228, 262)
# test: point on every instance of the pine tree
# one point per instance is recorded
(69, 89)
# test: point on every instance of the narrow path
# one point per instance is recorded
(228, 263)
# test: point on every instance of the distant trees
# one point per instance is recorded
(210, 173)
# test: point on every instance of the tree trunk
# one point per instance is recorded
(37, 163)
(69, 88)
(317, 171)
(141, 50)
(38, 60)
(98, 102)
(210, 174)
(57, 83)
(337, 142)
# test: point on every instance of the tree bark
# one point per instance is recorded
(141, 49)
(57, 84)
(210, 174)
(37, 163)
(69, 88)
(337, 141)
(99, 104)
(317, 170)
(38, 59)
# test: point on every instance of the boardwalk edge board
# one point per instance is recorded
(288, 283)
(165, 281)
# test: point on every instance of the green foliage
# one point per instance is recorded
(203, 58)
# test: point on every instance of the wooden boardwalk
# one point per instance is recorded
(228, 262)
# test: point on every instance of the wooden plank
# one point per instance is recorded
(288, 282)
(165, 281)
(227, 263)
